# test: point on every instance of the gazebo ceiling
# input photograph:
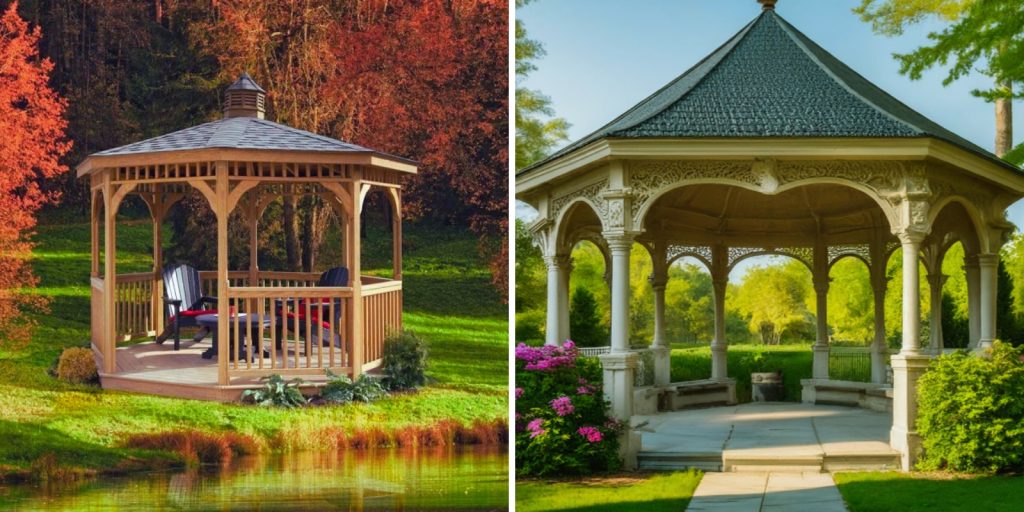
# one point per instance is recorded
(702, 212)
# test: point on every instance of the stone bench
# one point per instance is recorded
(696, 393)
(867, 395)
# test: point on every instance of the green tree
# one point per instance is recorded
(851, 307)
(584, 320)
(981, 35)
(537, 131)
(774, 299)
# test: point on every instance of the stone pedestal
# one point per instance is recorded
(719, 362)
(906, 369)
(618, 382)
(819, 368)
(662, 366)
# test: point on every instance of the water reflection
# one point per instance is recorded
(424, 479)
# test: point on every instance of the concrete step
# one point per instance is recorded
(772, 463)
(862, 461)
(675, 461)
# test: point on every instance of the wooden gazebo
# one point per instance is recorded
(241, 161)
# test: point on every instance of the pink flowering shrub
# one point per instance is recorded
(562, 422)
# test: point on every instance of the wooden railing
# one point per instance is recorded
(134, 314)
(382, 314)
(289, 330)
(303, 329)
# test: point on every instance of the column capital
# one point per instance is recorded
(937, 280)
(658, 280)
(821, 283)
(559, 261)
(987, 260)
(619, 240)
(910, 236)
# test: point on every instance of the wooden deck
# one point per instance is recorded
(160, 370)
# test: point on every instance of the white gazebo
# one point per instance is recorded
(770, 145)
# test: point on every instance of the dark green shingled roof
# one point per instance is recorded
(769, 80)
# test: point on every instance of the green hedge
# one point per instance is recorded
(971, 411)
(795, 361)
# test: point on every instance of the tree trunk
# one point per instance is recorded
(291, 239)
(1004, 121)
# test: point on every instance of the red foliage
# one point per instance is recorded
(32, 124)
(424, 79)
(196, 447)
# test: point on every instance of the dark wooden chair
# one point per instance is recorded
(337, 276)
(184, 300)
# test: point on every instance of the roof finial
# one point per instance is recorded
(244, 98)
(767, 5)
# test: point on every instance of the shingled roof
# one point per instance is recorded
(237, 133)
(770, 80)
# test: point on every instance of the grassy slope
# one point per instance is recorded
(884, 491)
(661, 492)
(449, 302)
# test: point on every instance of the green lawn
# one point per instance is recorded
(650, 493)
(449, 302)
(930, 492)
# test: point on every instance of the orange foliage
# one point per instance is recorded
(196, 447)
(32, 126)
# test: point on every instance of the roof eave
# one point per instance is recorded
(910, 148)
(371, 158)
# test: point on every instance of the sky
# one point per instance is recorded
(605, 56)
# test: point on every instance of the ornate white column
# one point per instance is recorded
(556, 298)
(909, 364)
(620, 363)
(879, 348)
(935, 281)
(819, 370)
(972, 273)
(563, 298)
(987, 265)
(659, 346)
(720, 281)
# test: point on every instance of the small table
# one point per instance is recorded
(247, 323)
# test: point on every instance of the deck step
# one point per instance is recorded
(674, 461)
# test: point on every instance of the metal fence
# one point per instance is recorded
(849, 363)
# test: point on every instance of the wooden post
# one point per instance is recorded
(158, 210)
(396, 235)
(94, 224)
(252, 215)
(109, 275)
(356, 311)
(220, 207)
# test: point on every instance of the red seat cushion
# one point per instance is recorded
(198, 312)
(301, 315)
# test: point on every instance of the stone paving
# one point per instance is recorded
(767, 436)
(767, 492)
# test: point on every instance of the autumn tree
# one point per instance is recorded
(31, 119)
(981, 34)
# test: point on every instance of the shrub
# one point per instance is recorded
(276, 392)
(405, 361)
(77, 366)
(528, 325)
(342, 389)
(562, 424)
(584, 320)
(970, 415)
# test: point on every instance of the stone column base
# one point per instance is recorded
(819, 369)
(906, 370)
(629, 447)
(662, 366)
(618, 382)
(719, 362)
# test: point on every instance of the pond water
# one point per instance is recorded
(426, 479)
